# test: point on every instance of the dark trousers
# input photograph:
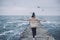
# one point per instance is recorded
(33, 32)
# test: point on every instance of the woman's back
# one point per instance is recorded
(33, 22)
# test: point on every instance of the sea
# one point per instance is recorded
(11, 27)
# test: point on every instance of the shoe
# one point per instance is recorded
(33, 38)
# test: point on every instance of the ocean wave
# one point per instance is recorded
(6, 32)
(52, 22)
(16, 21)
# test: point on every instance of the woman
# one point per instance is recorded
(33, 24)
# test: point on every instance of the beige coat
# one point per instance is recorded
(33, 22)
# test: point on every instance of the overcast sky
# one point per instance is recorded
(26, 7)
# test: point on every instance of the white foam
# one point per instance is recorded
(48, 22)
(6, 32)
(4, 26)
(9, 22)
(2, 34)
(16, 21)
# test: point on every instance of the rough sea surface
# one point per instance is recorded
(11, 27)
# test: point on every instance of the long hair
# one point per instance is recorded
(33, 14)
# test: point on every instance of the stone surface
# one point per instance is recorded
(42, 34)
